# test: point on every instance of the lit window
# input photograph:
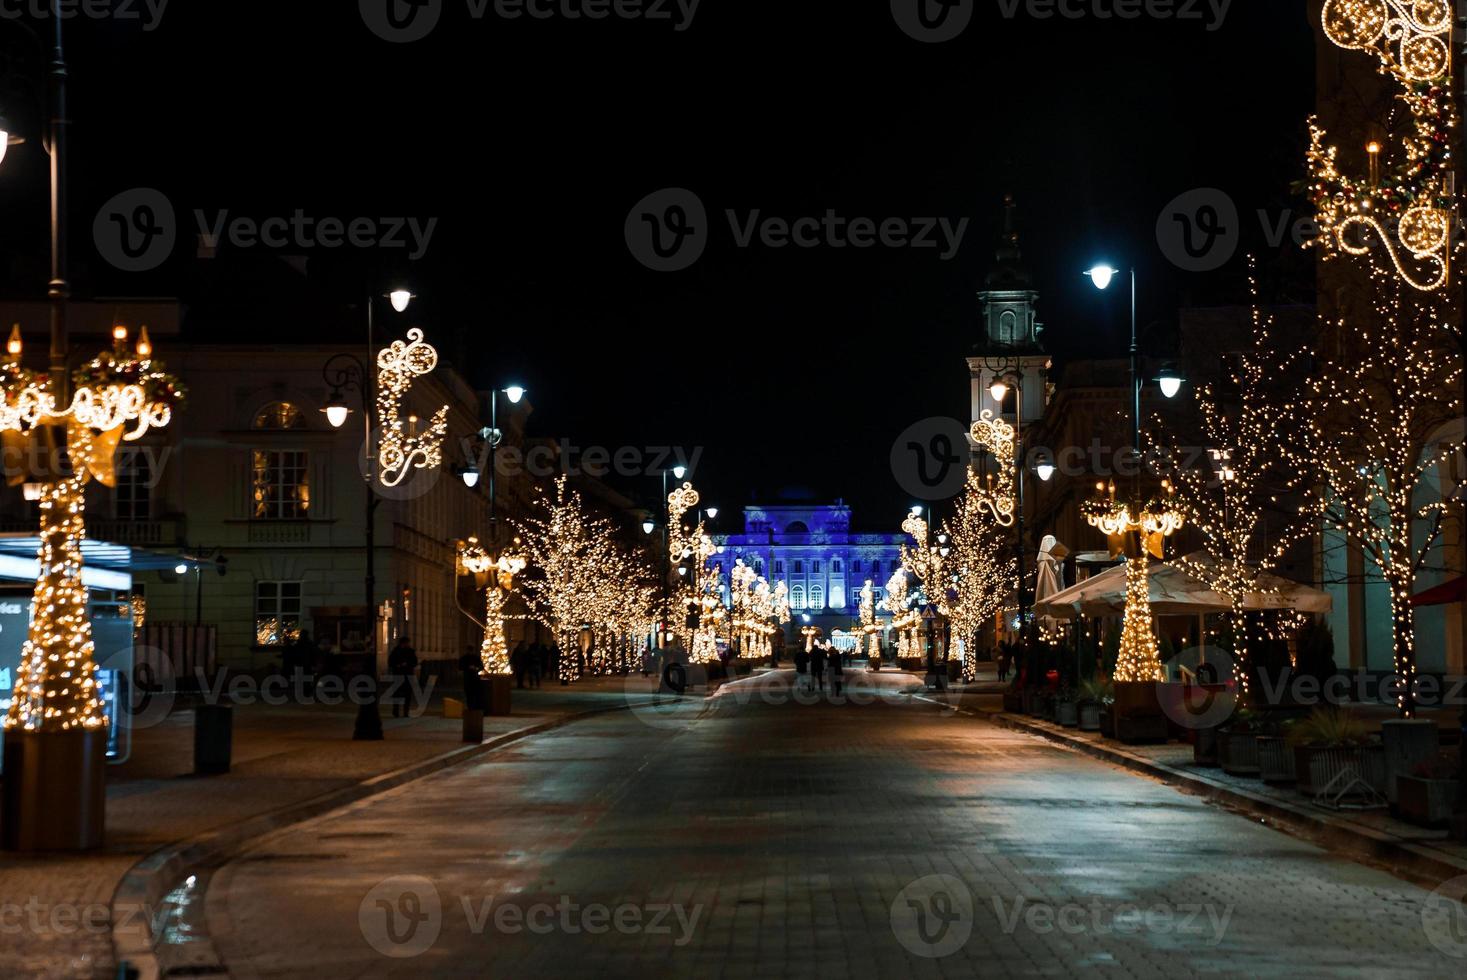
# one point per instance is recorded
(277, 613)
(279, 415)
(817, 597)
(797, 597)
(280, 485)
(837, 597)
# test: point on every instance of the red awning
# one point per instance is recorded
(1447, 592)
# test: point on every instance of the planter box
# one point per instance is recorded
(1204, 747)
(1089, 717)
(1237, 753)
(1067, 713)
(1426, 802)
(1108, 721)
(1276, 760)
(1317, 767)
(1137, 699)
(1137, 729)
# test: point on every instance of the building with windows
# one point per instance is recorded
(812, 548)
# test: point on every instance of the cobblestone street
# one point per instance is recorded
(767, 837)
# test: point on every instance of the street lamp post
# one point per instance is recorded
(344, 373)
(1004, 379)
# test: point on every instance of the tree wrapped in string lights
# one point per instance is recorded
(870, 626)
(117, 397)
(585, 578)
(1239, 500)
(906, 617)
(499, 578)
(980, 566)
(1378, 419)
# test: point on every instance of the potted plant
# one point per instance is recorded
(1237, 744)
(1327, 743)
(1427, 794)
(1066, 709)
(1094, 695)
(1276, 756)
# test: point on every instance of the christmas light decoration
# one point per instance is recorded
(1139, 658)
(401, 452)
(56, 686)
(587, 579)
(1235, 501)
(1409, 208)
(998, 498)
(1376, 421)
(869, 624)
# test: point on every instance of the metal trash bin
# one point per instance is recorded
(213, 739)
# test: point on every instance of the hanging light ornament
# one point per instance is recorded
(1408, 210)
(401, 452)
(998, 438)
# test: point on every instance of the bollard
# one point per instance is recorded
(213, 739)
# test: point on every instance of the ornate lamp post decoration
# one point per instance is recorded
(117, 397)
(398, 366)
(474, 560)
(869, 625)
(1406, 209)
(1140, 531)
(998, 437)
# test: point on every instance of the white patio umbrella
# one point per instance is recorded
(1049, 578)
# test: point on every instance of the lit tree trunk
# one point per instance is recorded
(56, 689)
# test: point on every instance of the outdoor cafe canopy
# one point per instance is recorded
(1179, 592)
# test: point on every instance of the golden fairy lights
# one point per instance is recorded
(1407, 209)
(586, 579)
(474, 560)
(1139, 658)
(402, 451)
(998, 437)
(56, 686)
(869, 624)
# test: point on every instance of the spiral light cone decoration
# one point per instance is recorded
(118, 396)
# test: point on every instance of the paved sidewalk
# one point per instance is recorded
(55, 910)
(1371, 834)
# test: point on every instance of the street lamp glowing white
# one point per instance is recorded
(400, 299)
(917, 510)
(180, 569)
(514, 393)
(712, 513)
(336, 409)
(1170, 382)
(999, 390)
(1103, 276)
(471, 477)
(1045, 469)
(679, 472)
(648, 526)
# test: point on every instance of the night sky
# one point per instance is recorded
(530, 141)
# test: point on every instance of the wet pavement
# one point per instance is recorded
(767, 833)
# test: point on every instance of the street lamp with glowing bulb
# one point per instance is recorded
(401, 299)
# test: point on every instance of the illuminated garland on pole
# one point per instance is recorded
(400, 452)
(869, 624)
(1410, 208)
(474, 560)
(1147, 526)
(56, 686)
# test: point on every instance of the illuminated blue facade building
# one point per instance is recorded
(812, 549)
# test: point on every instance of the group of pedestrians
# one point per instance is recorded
(812, 666)
(531, 662)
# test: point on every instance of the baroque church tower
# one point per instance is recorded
(1010, 344)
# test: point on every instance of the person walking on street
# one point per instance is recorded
(802, 669)
(519, 664)
(402, 664)
(837, 672)
(817, 667)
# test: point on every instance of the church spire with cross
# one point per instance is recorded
(1009, 345)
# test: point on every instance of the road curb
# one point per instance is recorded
(148, 882)
(1403, 858)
